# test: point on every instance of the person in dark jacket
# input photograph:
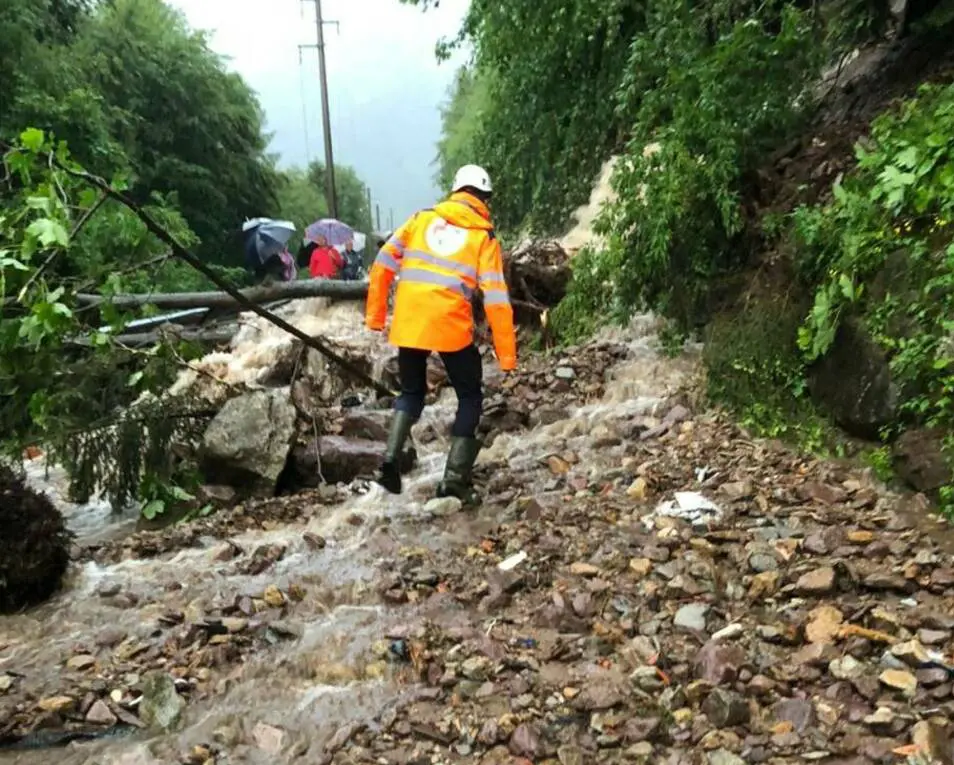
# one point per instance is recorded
(353, 268)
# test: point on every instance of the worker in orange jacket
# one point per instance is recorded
(441, 256)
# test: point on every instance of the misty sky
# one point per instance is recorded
(384, 83)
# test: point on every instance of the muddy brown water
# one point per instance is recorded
(312, 686)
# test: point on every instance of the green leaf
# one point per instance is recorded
(153, 508)
(48, 232)
(32, 139)
(7, 262)
(181, 494)
(847, 287)
(134, 379)
(39, 203)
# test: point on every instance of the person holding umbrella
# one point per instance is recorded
(319, 248)
(441, 257)
(266, 252)
(325, 261)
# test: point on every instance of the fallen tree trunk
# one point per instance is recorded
(173, 301)
(173, 332)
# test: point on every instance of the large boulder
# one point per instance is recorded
(853, 382)
(919, 460)
(34, 544)
(340, 459)
(246, 446)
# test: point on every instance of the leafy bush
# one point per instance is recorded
(755, 369)
(702, 113)
(884, 249)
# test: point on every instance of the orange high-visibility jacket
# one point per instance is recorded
(441, 256)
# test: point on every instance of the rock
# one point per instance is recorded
(692, 617)
(933, 741)
(641, 567)
(730, 632)
(603, 691)
(476, 668)
(161, 706)
(761, 561)
(799, 712)
(824, 624)
(584, 569)
(724, 757)
(639, 729)
(57, 704)
(853, 382)
(881, 719)
(919, 460)
(525, 742)
(81, 663)
(638, 489)
(220, 496)
(273, 597)
(726, 709)
(846, 668)
(34, 544)
(371, 425)
(718, 663)
(341, 460)
(899, 680)
(821, 581)
(911, 653)
(932, 676)
(570, 755)
(268, 738)
(247, 443)
(6, 682)
(763, 585)
(443, 506)
(565, 373)
(100, 714)
(547, 416)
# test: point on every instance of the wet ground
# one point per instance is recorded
(801, 613)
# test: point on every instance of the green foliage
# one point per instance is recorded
(351, 192)
(883, 249)
(706, 97)
(301, 202)
(541, 115)
(133, 90)
(881, 462)
(755, 369)
(467, 108)
(889, 227)
(83, 402)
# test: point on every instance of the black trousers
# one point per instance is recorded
(465, 370)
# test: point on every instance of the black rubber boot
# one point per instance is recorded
(458, 473)
(390, 475)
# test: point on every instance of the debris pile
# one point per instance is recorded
(34, 544)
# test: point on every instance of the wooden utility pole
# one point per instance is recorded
(370, 213)
(377, 209)
(391, 218)
(330, 186)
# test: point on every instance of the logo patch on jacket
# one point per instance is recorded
(445, 239)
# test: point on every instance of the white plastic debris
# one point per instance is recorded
(690, 506)
(512, 562)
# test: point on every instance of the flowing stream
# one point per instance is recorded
(311, 686)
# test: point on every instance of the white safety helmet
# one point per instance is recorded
(473, 176)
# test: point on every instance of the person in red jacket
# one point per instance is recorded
(325, 261)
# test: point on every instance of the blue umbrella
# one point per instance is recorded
(264, 239)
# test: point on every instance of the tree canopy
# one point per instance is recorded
(127, 91)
